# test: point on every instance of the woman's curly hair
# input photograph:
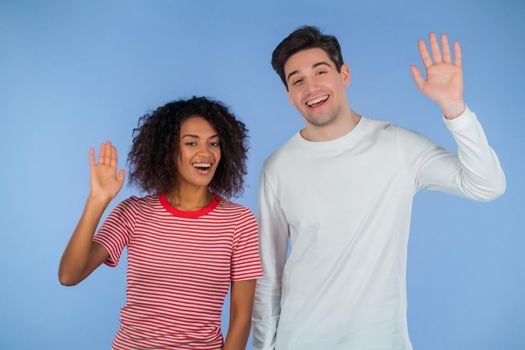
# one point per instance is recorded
(156, 147)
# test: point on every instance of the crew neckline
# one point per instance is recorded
(347, 139)
(189, 214)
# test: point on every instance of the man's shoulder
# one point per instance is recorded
(374, 125)
(385, 130)
(387, 134)
(282, 156)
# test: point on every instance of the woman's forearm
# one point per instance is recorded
(79, 251)
(238, 332)
(241, 304)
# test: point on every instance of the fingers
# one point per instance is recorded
(113, 157)
(107, 158)
(425, 57)
(446, 49)
(457, 54)
(107, 155)
(434, 46)
(418, 78)
(92, 157)
(102, 154)
(436, 52)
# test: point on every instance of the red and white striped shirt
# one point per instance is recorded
(180, 266)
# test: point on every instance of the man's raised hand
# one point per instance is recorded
(444, 79)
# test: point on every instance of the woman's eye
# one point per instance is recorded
(215, 144)
(190, 143)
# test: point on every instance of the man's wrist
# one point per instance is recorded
(453, 109)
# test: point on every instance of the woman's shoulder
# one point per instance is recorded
(234, 209)
(137, 202)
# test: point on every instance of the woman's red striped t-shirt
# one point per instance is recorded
(180, 266)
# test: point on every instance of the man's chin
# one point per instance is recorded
(320, 122)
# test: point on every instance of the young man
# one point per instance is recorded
(342, 190)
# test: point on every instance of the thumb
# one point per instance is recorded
(418, 78)
(92, 162)
(120, 177)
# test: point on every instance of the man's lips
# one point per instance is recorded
(317, 102)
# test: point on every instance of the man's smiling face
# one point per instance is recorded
(315, 87)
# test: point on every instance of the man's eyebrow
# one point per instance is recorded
(322, 63)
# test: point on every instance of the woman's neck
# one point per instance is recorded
(187, 198)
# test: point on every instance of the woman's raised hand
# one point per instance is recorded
(104, 181)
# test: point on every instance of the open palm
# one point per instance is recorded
(444, 78)
(104, 180)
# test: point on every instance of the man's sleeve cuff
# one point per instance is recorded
(462, 121)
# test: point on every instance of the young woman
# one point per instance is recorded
(186, 243)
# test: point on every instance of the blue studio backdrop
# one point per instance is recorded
(74, 74)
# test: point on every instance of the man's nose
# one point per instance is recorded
(311, 85)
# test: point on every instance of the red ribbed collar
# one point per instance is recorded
(189, 214)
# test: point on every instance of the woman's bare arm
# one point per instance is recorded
(82, 256)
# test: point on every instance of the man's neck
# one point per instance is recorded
(342, 125)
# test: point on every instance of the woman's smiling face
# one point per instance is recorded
(199, 152)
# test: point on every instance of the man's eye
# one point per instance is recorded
(297, 82)
(321, 72)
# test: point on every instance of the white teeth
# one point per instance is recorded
(202, 165)
(316, 100)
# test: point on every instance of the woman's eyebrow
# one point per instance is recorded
(197, 136)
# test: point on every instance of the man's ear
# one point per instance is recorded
(345, 72)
